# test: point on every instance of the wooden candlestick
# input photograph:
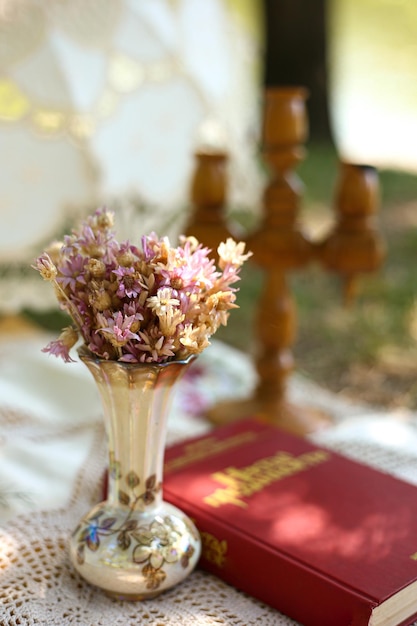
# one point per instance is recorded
(279, 247)
(354, 245)
(208, 192)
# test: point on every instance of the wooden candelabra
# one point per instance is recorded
(280, 247)
(208, 194)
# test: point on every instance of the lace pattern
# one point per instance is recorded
(39, 585)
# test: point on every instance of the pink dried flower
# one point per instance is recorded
(72, 272)
(128, 280)
(46, 267)
(61, 347)
(148, 304)
(117, 328)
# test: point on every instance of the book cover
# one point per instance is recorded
(325, 540)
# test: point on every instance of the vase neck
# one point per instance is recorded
(136, 400)
(136, 444)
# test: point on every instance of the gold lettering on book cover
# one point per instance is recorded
(206, 448)
(414, 556)
(214, 550)
(243, 482)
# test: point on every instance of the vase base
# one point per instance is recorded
(132, 597)
(134, 555)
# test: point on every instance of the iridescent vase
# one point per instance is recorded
(134, 545)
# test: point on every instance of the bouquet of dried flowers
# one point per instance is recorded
(150, 304)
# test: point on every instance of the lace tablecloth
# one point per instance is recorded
(52, 448)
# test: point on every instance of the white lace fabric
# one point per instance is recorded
(53, 455)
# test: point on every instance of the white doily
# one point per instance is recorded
(53, 454)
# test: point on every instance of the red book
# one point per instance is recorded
(325, 540)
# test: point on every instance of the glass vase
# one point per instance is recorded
(134, 545)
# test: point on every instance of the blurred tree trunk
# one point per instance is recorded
(296, 54)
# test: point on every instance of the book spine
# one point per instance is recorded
(305, 595)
